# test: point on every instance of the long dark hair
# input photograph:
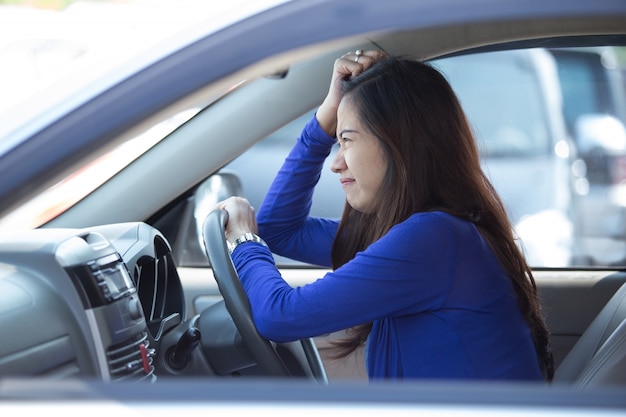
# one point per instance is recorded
(434, 164)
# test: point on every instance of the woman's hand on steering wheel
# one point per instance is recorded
(241, 217)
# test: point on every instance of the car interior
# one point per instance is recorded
(127, 281)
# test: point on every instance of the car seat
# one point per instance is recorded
(599, 356)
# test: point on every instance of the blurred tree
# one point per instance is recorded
(40, 4)
(50, 4)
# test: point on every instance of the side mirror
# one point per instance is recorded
(216, 188)
(189, 245)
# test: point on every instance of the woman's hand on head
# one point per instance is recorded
(241, 217)
(347, 66)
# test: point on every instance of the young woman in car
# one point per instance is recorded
(425, 269)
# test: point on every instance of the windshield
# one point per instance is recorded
(54, 53)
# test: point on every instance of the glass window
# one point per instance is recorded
(550, 127)
(524, 106)
(483, 84)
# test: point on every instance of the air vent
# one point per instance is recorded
(158, 286)
(132, 359)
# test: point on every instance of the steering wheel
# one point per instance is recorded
(264, 352)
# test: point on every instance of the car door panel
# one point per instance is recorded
(201, 292)
(571, 300)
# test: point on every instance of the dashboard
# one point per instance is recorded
(106, 303)
(91, 303)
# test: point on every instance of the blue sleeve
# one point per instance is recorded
(283, 217)
(402, 273)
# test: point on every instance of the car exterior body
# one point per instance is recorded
(235, 85)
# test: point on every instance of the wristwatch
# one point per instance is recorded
(246, 237)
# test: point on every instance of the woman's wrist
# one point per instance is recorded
(327, 119)
(245, 238)
(232, 235)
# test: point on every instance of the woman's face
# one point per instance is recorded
(361, 162)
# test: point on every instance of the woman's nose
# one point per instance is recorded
(338, 163)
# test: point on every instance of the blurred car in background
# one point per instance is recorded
(594, 105)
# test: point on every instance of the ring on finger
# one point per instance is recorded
(358, 53)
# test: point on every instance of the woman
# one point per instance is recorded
(426, 271)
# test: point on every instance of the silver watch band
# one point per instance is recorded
(246, 237)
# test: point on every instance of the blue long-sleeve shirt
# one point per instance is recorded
(440, 303)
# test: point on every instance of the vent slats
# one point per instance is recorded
(126, 360)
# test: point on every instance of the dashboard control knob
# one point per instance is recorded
(179, 356)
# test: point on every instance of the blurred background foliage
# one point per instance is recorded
(50, 4)
(40, 4)
(62, 4)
